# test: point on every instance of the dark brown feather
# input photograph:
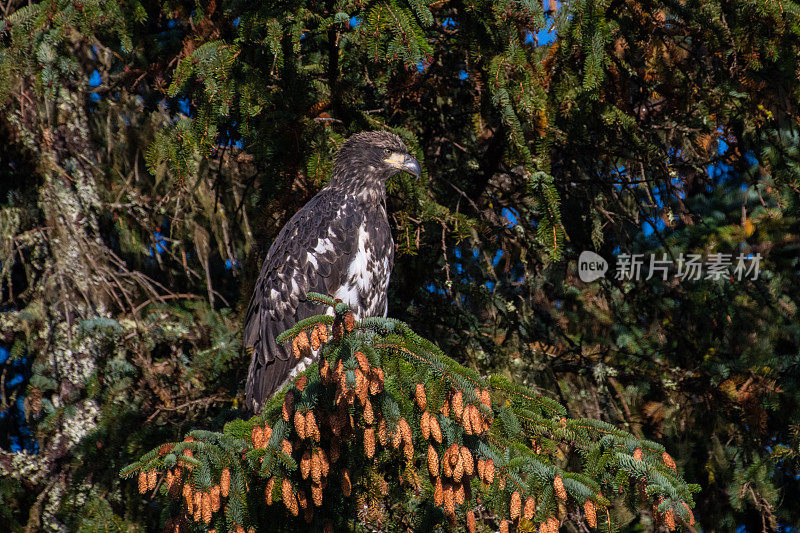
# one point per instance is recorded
(276, 306)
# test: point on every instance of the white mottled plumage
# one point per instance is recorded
(361, 276)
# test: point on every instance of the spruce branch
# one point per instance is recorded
(385, 407)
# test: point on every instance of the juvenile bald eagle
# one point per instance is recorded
(339, 244)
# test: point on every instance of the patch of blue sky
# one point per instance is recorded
(658, 198)
(458, 266)
(236, 21)
(237, 143)
(462, 75)
(17, 410)
(497, 257)
(432, 288)
(674, 153)
(789, 529)
(547, 35)
(184, 106)
(722, 146)
(543, 37)
(719, 171)
(355, 22)
(28, 441)
(657, 224)
(230, 264)
(172, 23)
(490, 285)
(511, 215)
(159, 244)
(620, 172)
(449, 23)
(648, 228)
(94, 81)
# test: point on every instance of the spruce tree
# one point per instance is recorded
(151, 151)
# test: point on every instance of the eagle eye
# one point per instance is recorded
(387, 151)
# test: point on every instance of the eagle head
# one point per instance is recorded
(374, 156)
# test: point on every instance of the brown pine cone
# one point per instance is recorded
(225, 482)
(436, 431)
(349, 321)
(558, 485)
(152, 479)
(530, 508)
(363, 362)
(369, 416)
(433, 461)
(424, 425)
(469, 462)
(369, 442)
(421, 398)
(312, 429)
(515, 508)
(591, 513)
(457, 404)
(470, 521)
(669, 461)
(215, 499)
(300, 424)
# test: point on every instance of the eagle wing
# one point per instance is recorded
(311, 253)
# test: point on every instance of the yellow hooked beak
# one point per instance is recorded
(404, 162)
